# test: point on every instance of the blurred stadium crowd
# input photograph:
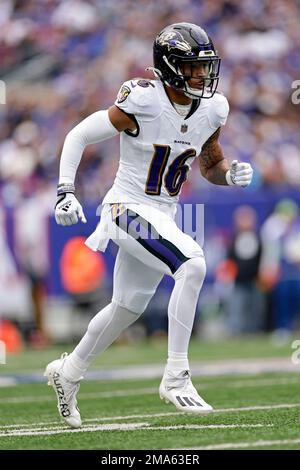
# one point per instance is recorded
(62, 60)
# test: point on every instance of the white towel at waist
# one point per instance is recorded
(99, 239)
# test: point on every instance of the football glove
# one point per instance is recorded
(240, 174)
(68, 209)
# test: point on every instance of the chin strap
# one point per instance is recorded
(156, 72)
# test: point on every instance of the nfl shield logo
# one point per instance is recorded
(184, 128)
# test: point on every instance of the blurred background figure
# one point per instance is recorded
(280, 269)
(62, 61)
(10, 306)
(32, 255)
(83, 273)
(244, 306)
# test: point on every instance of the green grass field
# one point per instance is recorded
(252, 410)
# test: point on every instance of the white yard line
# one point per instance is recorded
(154, 415)
(210, 426)
(244, 445)
(123, 427)
(259, 407)
(46, 432)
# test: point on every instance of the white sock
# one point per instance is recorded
(181, 312)
(177, 362)
(74, 368)
(103, 329)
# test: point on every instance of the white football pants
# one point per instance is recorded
(150, 245)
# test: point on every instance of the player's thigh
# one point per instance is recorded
(134, 282)
(153, 238)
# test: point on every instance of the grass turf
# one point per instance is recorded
(137, 401)
(147, 352)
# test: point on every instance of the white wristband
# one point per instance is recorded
(228, 178)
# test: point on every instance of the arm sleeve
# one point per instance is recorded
(93, 129)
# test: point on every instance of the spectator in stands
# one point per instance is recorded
(280, 268)
(64, 60)
(245, 305)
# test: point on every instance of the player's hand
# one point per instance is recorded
(68, 210)
(240, 174)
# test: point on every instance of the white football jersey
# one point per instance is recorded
(155, 161)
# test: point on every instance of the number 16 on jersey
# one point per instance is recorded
(176, 173)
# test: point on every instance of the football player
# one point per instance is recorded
(164, 125)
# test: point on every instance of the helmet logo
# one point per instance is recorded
(174, 40)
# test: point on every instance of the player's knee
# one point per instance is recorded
(194, 270)
(135, 303)
(117, 311)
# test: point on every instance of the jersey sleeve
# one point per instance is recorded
(218, 112)
(136, 97)
(126, 99)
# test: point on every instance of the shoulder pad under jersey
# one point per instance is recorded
(139, 97)
(218, 110)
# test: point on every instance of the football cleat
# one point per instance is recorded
(66, 392)
(178, 389)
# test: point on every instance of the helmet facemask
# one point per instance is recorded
(183, 74)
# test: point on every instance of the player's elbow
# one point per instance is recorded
(75, 138)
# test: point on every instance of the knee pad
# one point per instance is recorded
(194, 270)
(133, 300)
(123, 315)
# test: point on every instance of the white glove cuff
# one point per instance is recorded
(65, 188)
(228, 178)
